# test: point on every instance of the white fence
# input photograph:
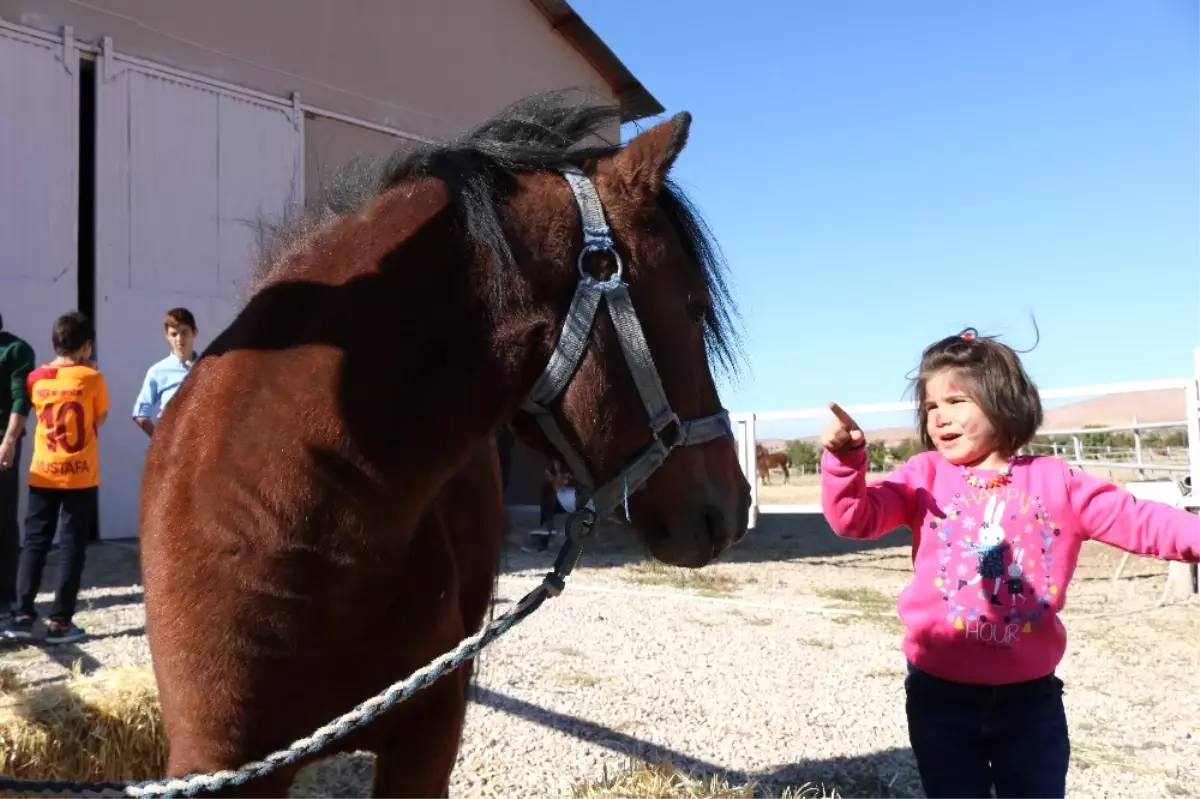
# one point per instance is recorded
(746, 429)
(1102, 457)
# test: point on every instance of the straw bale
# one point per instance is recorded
(101, 726)
(108, 726)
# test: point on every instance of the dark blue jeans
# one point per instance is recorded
(970, 738)
(10, 531)
(71, 512)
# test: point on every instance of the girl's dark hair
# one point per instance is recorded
(992, 375)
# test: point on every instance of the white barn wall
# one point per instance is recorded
(330, 143)
(429, 68)
(184, 171)
(39, 168)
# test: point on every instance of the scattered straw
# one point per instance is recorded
(663, 780)
(10, 680)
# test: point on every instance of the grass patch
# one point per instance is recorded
(1139, 760)
(815, 643)
(580, 678)
(864, 599)
(568, 651)
(876, 608)
(753, 621)
(888, 624)
(705, 582)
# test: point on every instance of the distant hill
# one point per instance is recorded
(1166, 405)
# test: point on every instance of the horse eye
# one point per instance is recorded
(698, 309)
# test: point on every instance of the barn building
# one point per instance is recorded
(141, 139)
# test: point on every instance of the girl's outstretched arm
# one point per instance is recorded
(1111, 514)
(857, 510)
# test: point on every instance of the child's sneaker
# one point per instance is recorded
(59, 633)
(19, 628)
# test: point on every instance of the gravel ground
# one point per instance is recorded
(780, 664)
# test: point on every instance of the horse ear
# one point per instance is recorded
(643, 164)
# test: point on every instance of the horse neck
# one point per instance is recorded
(412, 322)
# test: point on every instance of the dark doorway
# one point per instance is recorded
(85, 258)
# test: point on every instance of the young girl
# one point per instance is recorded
(996, 537)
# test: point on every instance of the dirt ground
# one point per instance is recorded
(792, 622)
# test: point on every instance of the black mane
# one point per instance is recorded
(542, 132)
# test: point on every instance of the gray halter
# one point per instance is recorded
(598, 238)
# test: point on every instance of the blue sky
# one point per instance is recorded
(880, 174)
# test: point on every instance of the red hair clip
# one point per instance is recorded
(968, 335)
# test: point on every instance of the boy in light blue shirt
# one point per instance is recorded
(164, 377)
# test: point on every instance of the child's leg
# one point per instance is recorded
(945, 728)
(1030, 749)
(78, 514)
(41, 518)
(10, 532)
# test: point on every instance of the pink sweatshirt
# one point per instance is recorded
(991, 567)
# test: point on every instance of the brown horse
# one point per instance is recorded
(766, 461)
(321, 506)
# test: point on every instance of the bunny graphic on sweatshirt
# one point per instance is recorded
(990, 549)
(996, 554)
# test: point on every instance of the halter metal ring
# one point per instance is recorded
(606, 247)
(675, 426)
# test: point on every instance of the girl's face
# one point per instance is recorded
(958, 427)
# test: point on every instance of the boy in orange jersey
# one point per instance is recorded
(70, 402)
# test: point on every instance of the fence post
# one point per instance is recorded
(1182, 577)
(752, 435)
(747, 436)
(1078, 450)
(1137, 449)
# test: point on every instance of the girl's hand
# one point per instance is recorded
(842, 432)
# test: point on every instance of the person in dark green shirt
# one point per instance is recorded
(16, 362)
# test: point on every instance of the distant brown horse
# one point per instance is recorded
(766, 461)
(321, 504)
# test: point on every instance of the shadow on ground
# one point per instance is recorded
(890, 772)
(109, 565)
(777, 537)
